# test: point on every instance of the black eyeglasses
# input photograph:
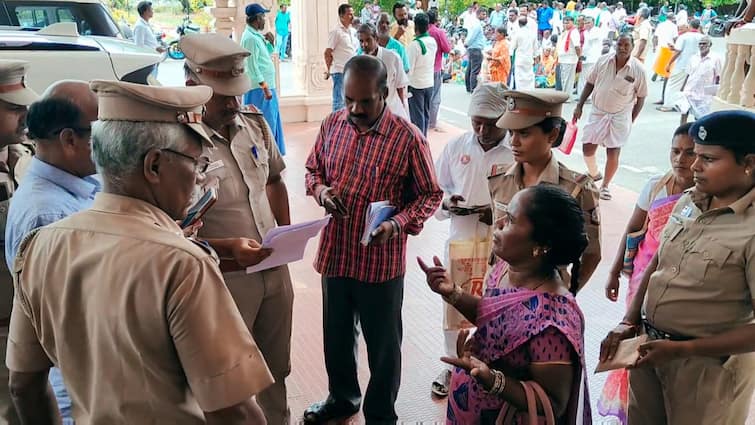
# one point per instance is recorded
(200, 164)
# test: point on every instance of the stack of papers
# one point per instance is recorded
(288, 243)
(377, 213)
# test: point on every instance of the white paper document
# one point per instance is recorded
(288, 243)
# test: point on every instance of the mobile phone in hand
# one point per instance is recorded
(200, 208)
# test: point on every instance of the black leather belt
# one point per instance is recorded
(655, 333)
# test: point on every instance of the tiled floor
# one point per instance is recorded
(422, 309)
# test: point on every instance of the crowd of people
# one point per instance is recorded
(134, 314)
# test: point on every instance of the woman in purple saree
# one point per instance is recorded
(653, 207)
(529, 327)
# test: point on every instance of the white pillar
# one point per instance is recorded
(311, 20)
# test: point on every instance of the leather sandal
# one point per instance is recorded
(326, 410)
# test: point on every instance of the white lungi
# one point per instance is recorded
(606, 129)
(674, 88)
(524, 75)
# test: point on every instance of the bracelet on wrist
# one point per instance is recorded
(499, 383)
(454, 296)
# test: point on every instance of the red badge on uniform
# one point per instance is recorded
(465, 159)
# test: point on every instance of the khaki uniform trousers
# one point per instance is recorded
(694, 390)
(265, 300)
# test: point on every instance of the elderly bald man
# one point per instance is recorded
(136, 316)
(59, 179)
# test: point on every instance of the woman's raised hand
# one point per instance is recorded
(437, 278)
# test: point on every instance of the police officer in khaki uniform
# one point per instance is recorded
(534, 119)
(15, 97)
(699, 291)
(136, 316)
(252, 198)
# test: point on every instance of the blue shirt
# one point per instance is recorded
(544, 16)
(476, 38)
(46, 194)
(497, 18)
(282, 20)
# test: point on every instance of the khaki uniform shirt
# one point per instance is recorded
(14, 159)
(705, 280)
(243, 167)
(136, 316)
(505, 181)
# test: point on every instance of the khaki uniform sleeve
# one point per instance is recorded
(24, 351)
(588, 200)
(222, 363)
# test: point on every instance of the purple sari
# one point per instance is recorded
(508, 318)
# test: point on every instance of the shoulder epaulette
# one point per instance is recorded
(498, 169)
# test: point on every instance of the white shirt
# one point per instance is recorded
(463, 168)
(469, 19)
(606, 21)
(644, 201)
(397, 79)
(681, 17)
(687, 44)
(615, 91)
(593, 45)
(568, 56)
(422, 67)
(144, 35)
(703, 73)
(343, 41)
(525, 45)
(557, 21)
(619, 15)
(666, 32)
(512, 28)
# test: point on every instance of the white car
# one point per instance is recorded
(70, 40)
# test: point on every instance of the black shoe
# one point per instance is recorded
(328, 409)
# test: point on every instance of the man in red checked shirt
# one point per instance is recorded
(366, 154)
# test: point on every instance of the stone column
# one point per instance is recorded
(311, 20)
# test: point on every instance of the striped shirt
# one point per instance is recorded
(392, 162)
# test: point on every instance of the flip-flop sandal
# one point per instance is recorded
(665, 109)
(596, 178)
(441, 384)
(323, 411)
(605, 194)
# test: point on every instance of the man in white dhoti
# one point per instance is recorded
(398, 81)
(619, 88)
(462, 171)
(525, 50)
(703, 75)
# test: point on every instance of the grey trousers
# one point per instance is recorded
(435, 100)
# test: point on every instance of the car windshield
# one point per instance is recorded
(90, 18)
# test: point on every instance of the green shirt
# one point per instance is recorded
(259, 65)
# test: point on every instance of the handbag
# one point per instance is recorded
(570, 138)
(533, 392)
(635, 238)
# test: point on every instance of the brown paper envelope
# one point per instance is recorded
(626, 355)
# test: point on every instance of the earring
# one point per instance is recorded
(536, 252)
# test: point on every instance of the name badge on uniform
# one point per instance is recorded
(215, 165)
(687, 211)
(629, 78)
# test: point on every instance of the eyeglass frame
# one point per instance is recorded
(201, 163)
